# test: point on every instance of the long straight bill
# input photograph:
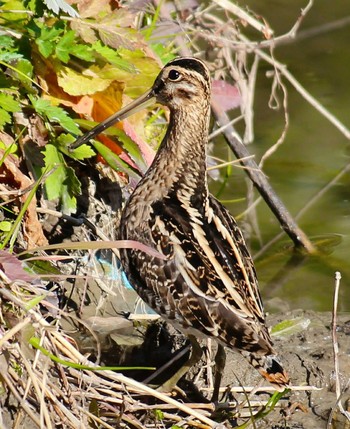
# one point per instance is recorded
(135, 106)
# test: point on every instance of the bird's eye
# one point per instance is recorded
(174, 75)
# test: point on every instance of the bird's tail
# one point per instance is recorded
(270, 368)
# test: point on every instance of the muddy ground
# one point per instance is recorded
(103, 302)
(307, 354)
(304, 345)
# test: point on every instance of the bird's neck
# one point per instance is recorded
(180, 163)
(178, 172)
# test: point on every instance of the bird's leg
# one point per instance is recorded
(196, 354)
(220, 361)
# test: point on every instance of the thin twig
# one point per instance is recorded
(334, 333)
(248, 46)
(338, 391)
(302, 91)
(246, 17)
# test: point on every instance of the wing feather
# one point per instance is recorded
(208, 280)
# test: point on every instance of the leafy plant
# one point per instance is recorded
(61, 72)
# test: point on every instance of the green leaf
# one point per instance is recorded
(68, 199)
(6, 42)
(64, 46)
(8, 103)
(72, 182)
(62, 183)
(23, 72)
(113, 57)
(10, 56)
(54, 182)
(42, 267)
(5, 226)
(290, 326)
(124, 140)
(34, 301)
(158, 414)
(82, 152)
(113, 160)
(83, 52)
(12, 17)
(67, 45)
(24, 68)
(45, 47)
(148, 68)
(128, 145)
(54, 114)
(5, 118)
(12, 148)
(37, 7)
(51, 33)
(47, 40)
(163, 52)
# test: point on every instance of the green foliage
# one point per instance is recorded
(82, 152)
(62, 183)
(113, 57)
(5, 226)
(266, 410)
(54, 114)
(47, 64)
(7, 105)
(66, 47)
(158, 414)
(290, 326)
(113, 160)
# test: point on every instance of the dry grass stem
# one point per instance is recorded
(338, 388)
(51, 393)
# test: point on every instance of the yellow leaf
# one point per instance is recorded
(77, 84)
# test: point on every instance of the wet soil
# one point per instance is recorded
(305, 348)
(112, 310)
(307, 354)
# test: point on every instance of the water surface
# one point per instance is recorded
(313, 153)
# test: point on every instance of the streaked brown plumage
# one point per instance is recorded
(207, 284)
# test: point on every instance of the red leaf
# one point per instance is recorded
(12, 267)
(225, 95)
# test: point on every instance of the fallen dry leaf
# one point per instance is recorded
(12, 176)
(13, 268)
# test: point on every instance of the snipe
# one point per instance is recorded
(207, 283)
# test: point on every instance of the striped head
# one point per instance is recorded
(183, 82)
